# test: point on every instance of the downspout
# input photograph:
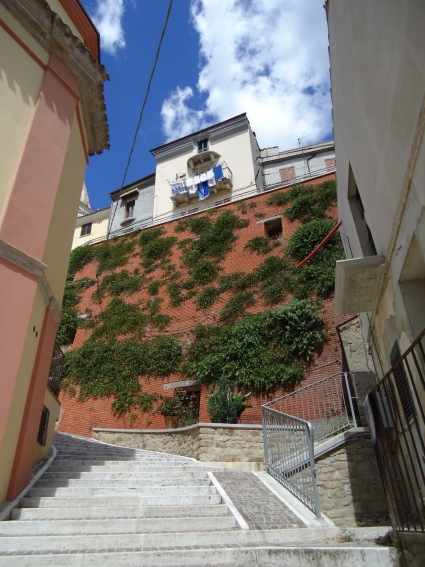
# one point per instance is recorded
(319, 246)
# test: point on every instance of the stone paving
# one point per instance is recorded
(259, 507)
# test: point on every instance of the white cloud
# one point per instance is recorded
(178, 118)
(267, 58)
(107, 18)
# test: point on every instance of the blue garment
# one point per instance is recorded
(218, 172)
(203, 190)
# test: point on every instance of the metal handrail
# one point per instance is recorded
(327, 403)
(289, 455)
(293, 423)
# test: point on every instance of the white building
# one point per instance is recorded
(377, 54)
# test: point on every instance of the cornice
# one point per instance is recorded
(47, 28)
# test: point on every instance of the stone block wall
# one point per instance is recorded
(349, 484)
(204, 442)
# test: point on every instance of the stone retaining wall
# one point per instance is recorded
(204, 442)
(349, 484)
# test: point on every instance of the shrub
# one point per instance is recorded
(223, 406)
(153, 287)
(306, 237)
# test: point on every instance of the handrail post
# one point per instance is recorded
(347, 384)
(310, 442)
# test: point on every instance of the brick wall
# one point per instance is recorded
(80, 418)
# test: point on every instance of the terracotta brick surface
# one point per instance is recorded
(79, 418)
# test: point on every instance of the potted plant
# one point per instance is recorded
(169, 408)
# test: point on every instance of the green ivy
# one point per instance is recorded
(79, 258)
(112, 254)
(157, 249)
(306, 238)
(112, 369)
(259, 353)
(204, 272)
(150, 234)
(259, 244)
(310, 202)
(237, 306)
(120, 283)
(153, 287)
(215, 240)
(207, 297)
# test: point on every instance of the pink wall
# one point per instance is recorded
(27, 218)
(24, 455)
(16, 302)
(25, 226)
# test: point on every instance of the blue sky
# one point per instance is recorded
(219, 58)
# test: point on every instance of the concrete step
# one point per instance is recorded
(132, 482)
(142, 476)
(137, 490)
(105, 512)
(161, 541)
(130, 468)
(132, 463)
(119, 501)
(269, 556)
(118, 526)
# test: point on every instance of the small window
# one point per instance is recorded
(273, 228)
(203, 145)
(129, 208)
(287, 173)
(86, 229)
(42, 430)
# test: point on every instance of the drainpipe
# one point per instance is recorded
(335, 228)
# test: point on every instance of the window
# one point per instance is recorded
(42, 430)
(273, 227)
(86, 229)
(203, 145)
(129, 208)
(330, 163)
(287, 173)
(364, 233)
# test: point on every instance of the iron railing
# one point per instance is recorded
(289, 455)
(237, 194)
(292, 425)
(395, 411)
(327, 404)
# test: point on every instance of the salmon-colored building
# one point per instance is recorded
(52, 116)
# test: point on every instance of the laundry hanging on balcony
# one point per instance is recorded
(218, 172)
(203, 190)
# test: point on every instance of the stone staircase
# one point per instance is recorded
(98, 504)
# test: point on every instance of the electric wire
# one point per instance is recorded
(164, 28)
(147, 90)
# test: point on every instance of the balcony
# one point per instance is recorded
(357, 284)
(185, 189)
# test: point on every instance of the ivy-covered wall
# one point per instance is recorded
(202, 298)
